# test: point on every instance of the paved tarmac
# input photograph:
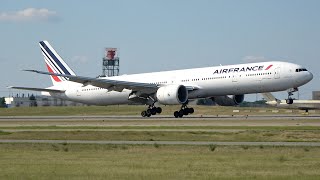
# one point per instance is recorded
(159, 117)
(313, 144)
(123, 130)
(193, 120)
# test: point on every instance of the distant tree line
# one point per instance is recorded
(33, 101)
(260, 103)
(206, 102)
(209, 102)
(3, 103)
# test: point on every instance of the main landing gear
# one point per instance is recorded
(152, 110)
(183, 111)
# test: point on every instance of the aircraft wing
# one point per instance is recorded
(116, 85)
(36, 89)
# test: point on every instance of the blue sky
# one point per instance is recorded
(157, 35)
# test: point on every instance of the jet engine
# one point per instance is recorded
(228, 100)
(172, 94)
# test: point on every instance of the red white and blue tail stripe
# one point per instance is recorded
(54, 62)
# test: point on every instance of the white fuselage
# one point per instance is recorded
(210, 81)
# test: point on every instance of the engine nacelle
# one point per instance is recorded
(172, 94)
(228, 100)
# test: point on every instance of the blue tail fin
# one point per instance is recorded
(54, 62)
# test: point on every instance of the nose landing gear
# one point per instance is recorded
(290, 93)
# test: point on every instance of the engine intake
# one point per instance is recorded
(172, 94)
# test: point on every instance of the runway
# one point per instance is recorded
(160, 117)
(311, 144)
(106, 121)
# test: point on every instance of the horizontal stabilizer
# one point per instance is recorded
(37, 89)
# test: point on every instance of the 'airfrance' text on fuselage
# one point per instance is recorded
(243, 69)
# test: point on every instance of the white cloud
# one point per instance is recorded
(30, 14)
(79, 59)
(249, 59)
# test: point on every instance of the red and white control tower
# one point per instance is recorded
(110, 63)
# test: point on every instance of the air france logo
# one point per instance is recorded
(242, 69)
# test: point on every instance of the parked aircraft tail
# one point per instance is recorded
(269, 97)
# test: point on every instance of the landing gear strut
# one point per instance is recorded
(183, 111)
(152, 110)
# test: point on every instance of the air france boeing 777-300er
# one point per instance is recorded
(225, 84)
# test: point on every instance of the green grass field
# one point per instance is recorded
(74, 161)
(93, 161)
(262, 128)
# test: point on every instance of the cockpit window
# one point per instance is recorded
(302, 69)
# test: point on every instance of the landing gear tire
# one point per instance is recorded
(289, 101)
(158, 110)
(144, 113)
(185, 111)
(181, 113)
(188, 111)
(153, 111)
(176, 114)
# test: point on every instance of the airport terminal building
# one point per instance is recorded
(33, 101)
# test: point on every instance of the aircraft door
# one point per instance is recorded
(235, 82)
(174, 80)
(277, 73)
(235, 77)
(78, 92)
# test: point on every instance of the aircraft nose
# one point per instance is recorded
(310, 76)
